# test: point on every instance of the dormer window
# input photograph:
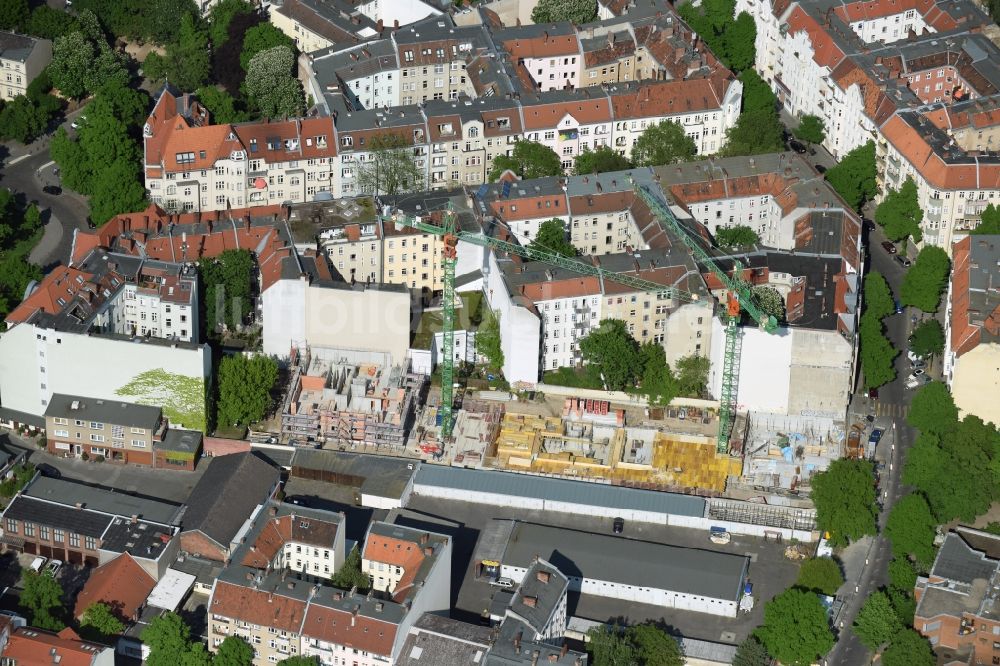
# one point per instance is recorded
(346, 141)
(185, 158)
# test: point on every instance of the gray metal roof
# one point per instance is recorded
(69, 493)
(546, 594)
(112, 412)
(381, 476)
(703, 573)
(442, 641)
(560, 490)
(16, 47)
(957, 561)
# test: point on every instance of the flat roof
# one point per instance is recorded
(382, 476)
(693, 571)
(560, 490)
(70, 493)
(171, 589)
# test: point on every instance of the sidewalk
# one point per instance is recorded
(49, 242)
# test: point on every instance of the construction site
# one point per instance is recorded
(782, 453)
(349, 397)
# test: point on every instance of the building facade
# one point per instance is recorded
(22, 58)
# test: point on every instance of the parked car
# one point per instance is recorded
(78, 123)
(903, 260)
(913, 357)
(38, 564)
(797, 147)
(502, 582)
(297, 501)
(53, 567)
(618, 526)
(48, 470)
(919, 364)
(52, 189)
(899, 306)
(889, 246)
(916, 373)
(873, 393)
(876, 436)
(912, 383)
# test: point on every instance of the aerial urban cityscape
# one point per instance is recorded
(499, 332)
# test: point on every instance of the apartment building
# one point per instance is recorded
(547, 56)
(605, 216)
(893, 72)
(22, 58)
(972, 331)
(116, 431)
(83, 525)
(432, 57)
(318, 25)
(27, 645)
(395, 558)
(281, 615)
(956, 601)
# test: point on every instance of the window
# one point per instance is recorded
(94, 425)
(29, 529)
(90, 543)
(43, 532)
(74, 540)
(58, 535)
(138, 444)
(12, 526)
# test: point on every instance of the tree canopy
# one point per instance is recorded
(349, 575)
(877, 352)
(770, 301)
(989, 222)
(233, 651)
(730, 36)
(391, 168)
(738, 235)
(187, 63)
(663, 143)
(574, 11)
(13, 13)
(528, 159)
(83, 61)
(245, 388)
(551, 237)
(41, 599)
(757, 95)
(19, 232)
(692, 375)
(751, 652)
(271, 85)
(844, 496)
(49, 23)
(600, 160)
(99, 623)
(155, 20)
(910, 529)
(933, 410)
(900, 214)
(876, 622)
(755, 132)
(639, 645)
(658, 382)
(169, 642)
(854, 176)
(612, 352)
(223, 106)
(908, 648)
(488, 341)
(926, 280)
(811, 129)
(226, 281)
(220, 17)
(27, 117)
(796, 630)
(820, 574)
(927, 339)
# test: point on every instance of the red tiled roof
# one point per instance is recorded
(544, 46)
(589, 112)
(402, 553)
(357, 632)
(268, 609)
(825, 51)
(668, 98)
(36, 647)
(939, 174)
(62, 283)
(121, 584)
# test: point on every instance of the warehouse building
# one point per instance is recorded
(691, 579)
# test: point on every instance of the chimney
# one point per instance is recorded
(425, 537)
(542, 576)
(429, 551)
(354, 615)
(564, 650)
(517, 641)
(273, 511)
(534, 657)
(134, 518)
(530, 602)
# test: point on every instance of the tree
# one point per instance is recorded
(226, 280)
(186, 64)
(41, 599)
(14, 13)
(233, 651)
(878, 296)
(99, 623)
(167, 637)
(658, 383)
(926, 280)
(900, 213)
(820, 574)
(751, 652)
(72, 57)
(770, 301)
(738, 235)
(738, 43)
(349, 575)
(245, 388)
(989, 222)
(877, 621)
(260, 38)
(902, 574)
(221, 105)
(933, 410)
(197, 655)
(551, 237)
(854, 176)
(755, 132)
(528, 159)
(609, 647)
(927, 338)
(877, 352)
(391, 168)
(116, 190)
(220, 17)
(663, 143)
(811, 129)
(574, 11)
(692, 375)
(300, 661)
(612, 351)
(908, 648)
(731, 37)
(757, 95)
(600, 160)
(49, 23)
(844, 496)
(488, 341)
(271, 86)
(24, 119)
(910, 529)
(653, 646)
(796, 630)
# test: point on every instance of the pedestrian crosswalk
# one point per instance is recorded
(892, 410)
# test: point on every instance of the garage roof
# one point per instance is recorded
(560, 490)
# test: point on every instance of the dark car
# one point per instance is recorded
(903, 260)
(876, 436)
(297, 501)
(48, 470)
(899, 306)
(820, 168)
(889, 247)
(52, 189)
(873, 393)
(618, 525)
(797, 147)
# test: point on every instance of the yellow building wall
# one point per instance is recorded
(975, 383)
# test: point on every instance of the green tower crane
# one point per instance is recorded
(740, 297)
(450, 235)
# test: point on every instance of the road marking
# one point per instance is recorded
(46, 165)
(17, 159)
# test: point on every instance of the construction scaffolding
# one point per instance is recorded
(349, 397)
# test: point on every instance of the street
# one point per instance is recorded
(25, 171)
(890, 410)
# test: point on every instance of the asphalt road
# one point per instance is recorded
(25, 171)
(893, 402)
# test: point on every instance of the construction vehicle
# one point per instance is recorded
(738, 297)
